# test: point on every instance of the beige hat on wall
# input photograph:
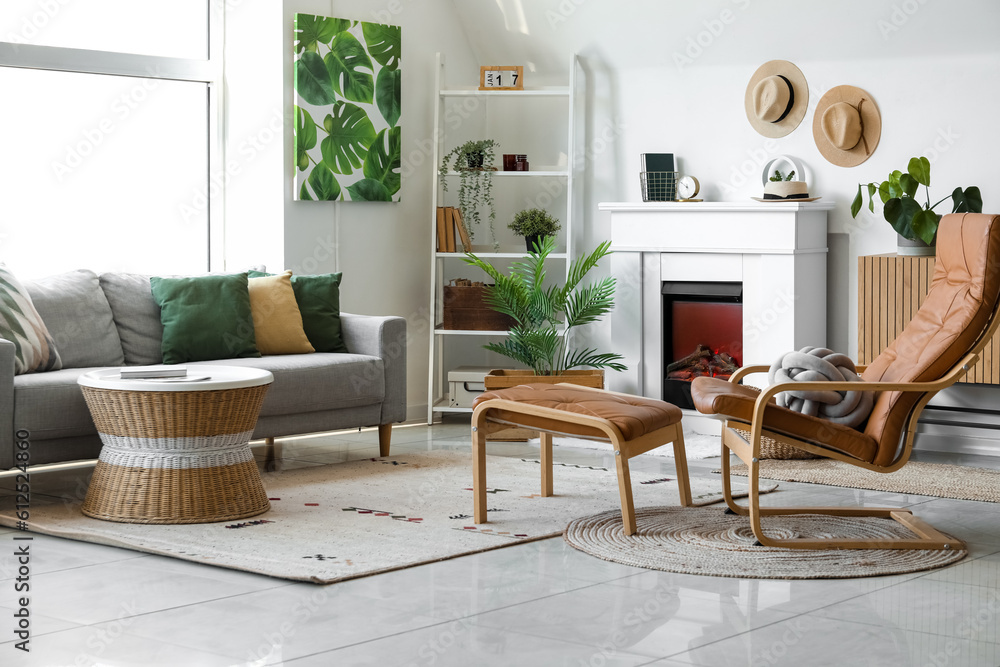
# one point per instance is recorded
(847, 126)
(776, 98)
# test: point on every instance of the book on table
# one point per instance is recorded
(151, 372)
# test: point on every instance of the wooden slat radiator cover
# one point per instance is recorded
(890, 290)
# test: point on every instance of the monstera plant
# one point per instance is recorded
(541, 312)
(347, 85)
(911, 219)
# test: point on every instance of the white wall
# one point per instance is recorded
(671, 76)
(662, 76)
(382, 248)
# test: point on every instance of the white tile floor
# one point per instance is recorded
(541, 603)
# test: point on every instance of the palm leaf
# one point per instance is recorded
(592, 359)
(589, 303)
(580, 266)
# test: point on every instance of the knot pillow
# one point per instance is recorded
(812, 364)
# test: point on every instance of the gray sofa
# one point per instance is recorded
(112, 320)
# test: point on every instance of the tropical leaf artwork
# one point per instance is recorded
(348, 89)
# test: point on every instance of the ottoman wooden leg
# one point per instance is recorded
(479, 468)
(546, 466)
(681, 466)
(625, 491)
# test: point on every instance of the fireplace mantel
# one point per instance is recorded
(778, 251)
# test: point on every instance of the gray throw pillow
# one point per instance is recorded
(78, 318)
(136, 316)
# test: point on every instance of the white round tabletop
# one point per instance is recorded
(197, 378)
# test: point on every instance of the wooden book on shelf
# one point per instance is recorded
(463, 233)
(449, 230)
(440, 229)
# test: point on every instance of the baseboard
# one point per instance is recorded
(416, 413)
(963, 419)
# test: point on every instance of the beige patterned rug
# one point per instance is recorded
(346, 520)
(924, 479)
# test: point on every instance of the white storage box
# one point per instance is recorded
(465, 383)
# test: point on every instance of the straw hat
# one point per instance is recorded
(776, 98)
(847, 126)
(786, 191)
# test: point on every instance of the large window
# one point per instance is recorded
(105, 156)
(172, 28)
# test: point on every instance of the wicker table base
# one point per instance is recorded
(175, 456)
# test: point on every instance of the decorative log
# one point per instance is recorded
(690, 359)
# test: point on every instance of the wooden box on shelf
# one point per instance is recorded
(465, 308)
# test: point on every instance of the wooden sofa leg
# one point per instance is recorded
(270, 458)
(384, 435)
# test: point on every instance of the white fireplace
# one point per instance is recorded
(776, 251)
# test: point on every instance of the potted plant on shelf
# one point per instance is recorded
(537, 340)
(473, 161)
(916, 224)
(534, 224)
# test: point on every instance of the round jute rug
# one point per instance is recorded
(705, 540)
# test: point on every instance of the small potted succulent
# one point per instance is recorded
(915, 223)
(534, 224)
(473, 161)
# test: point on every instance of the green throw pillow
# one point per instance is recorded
(205, 317)
(318, 298)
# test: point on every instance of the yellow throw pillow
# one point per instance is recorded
(277, 322)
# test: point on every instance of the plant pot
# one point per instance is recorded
(504, 379)
(475, 160)
(909, 247)
(534, 239)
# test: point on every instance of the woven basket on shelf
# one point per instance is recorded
(173, 457)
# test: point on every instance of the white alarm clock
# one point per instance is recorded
(688, 187)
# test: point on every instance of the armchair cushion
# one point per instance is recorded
(718, 396)
(963, 294)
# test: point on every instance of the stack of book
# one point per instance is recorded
(450, 224)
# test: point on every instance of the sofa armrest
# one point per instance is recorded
(383, 337)
(6, 404)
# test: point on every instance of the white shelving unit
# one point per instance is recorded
(507, 186)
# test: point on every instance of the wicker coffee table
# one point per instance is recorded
(176, 451)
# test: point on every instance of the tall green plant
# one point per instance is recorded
(541, 312)
(901, 208)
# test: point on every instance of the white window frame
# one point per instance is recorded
(208, 71)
